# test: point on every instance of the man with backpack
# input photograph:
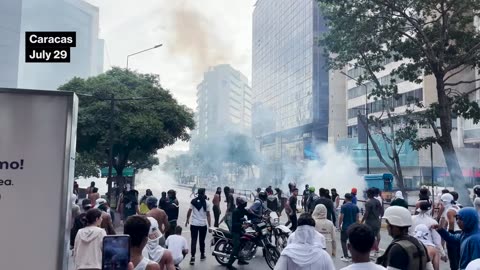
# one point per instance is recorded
(405, 251)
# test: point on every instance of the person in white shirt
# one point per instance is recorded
(177, 244)
(199, 210)
(305, 249)
(360, 241)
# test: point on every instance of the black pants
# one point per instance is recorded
(453, 252)
(216, 215)
(171, 228)
(196, 231)
(343, 240)
(293, 220)
(236, 248)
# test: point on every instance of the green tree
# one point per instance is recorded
(141, 126)
(430, 37)
(85, 166)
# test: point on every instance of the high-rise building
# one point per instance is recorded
(10, 19)
(18, 16)
(289, 80)
(224, 103)
(86, 59)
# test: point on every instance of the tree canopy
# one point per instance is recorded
(146, 118)
(426, 37)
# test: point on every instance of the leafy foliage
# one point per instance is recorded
(141, 126)
(85, 167)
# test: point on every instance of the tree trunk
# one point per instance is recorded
(445, 142)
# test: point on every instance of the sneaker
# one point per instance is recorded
(202, 257)
(345, 259)
(192, 261)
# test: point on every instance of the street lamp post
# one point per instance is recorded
(366, 118)
(154, 47)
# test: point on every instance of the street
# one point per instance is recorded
(183, 196)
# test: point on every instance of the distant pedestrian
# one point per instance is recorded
(87, 251)
(305, 249)
(90, 189)
(200, 210)
(399, 200)
(326, 228)
(217, 198)
(349, 214)
(361, 239)
(94, 196)
(128, 203)
(194, 190)
(354, 195)
(305, 194)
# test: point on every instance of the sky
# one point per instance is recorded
(195, 34)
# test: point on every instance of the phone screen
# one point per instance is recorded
(116, 252)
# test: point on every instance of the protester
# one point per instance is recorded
(335, 198)
(87, 251)
(305, 194)
(163, 202)
(143, 202)
(75, 188)
(217, 198)
(405, 251)
(237, 231)
(422, 197)
(399, 200)
(107, 223)
(323, 199)
(305, 249)
(361, 239)
(282, 200)
(455, 199)
(194, 190)
(468, 239)
(424, 218)
(75, 208)
(440, 205)
(424, 235)
(373, 212)
(349, 214)
(138, 228)
(171, 209)
(177, 244)
(291, 209)
(90, 189)
(199, 210)
(128, 203)
(79, 222)
(377, 194)
(258, 208)
(94, 196)
(153, 251)
(326, 228)
(159, 215)
(272, 202)
(354, 196)
(230, 207)
(312, 197)
(447, 221)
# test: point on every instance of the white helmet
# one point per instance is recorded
(398, 216)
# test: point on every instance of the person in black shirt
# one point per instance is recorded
(328, 204)
(291, 209)
(172, 209)
(306, 192)
(237, 230)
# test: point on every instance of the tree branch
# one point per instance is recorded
(455, 73)
(461, 82)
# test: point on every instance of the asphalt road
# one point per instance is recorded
(258, 262)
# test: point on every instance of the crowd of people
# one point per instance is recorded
(423, 235)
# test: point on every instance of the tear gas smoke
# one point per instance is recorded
(156, 180)
(333, 169)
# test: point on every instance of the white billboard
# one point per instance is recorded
(37, 150)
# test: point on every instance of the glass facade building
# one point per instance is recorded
(289, 78)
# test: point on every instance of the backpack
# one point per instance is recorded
(417, 254)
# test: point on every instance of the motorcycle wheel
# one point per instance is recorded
(223, 246)
(281, 241)
(271, 256)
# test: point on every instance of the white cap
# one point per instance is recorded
(447, 198)
(99, 202)
(398, 216)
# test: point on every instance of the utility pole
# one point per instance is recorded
(366, 121)
(431, 167)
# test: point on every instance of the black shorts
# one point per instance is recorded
(375, 228)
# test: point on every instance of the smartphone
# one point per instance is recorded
(116, 252)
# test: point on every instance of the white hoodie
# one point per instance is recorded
(87, 251)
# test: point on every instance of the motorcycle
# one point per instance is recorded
(254, 237)
(280, 232)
